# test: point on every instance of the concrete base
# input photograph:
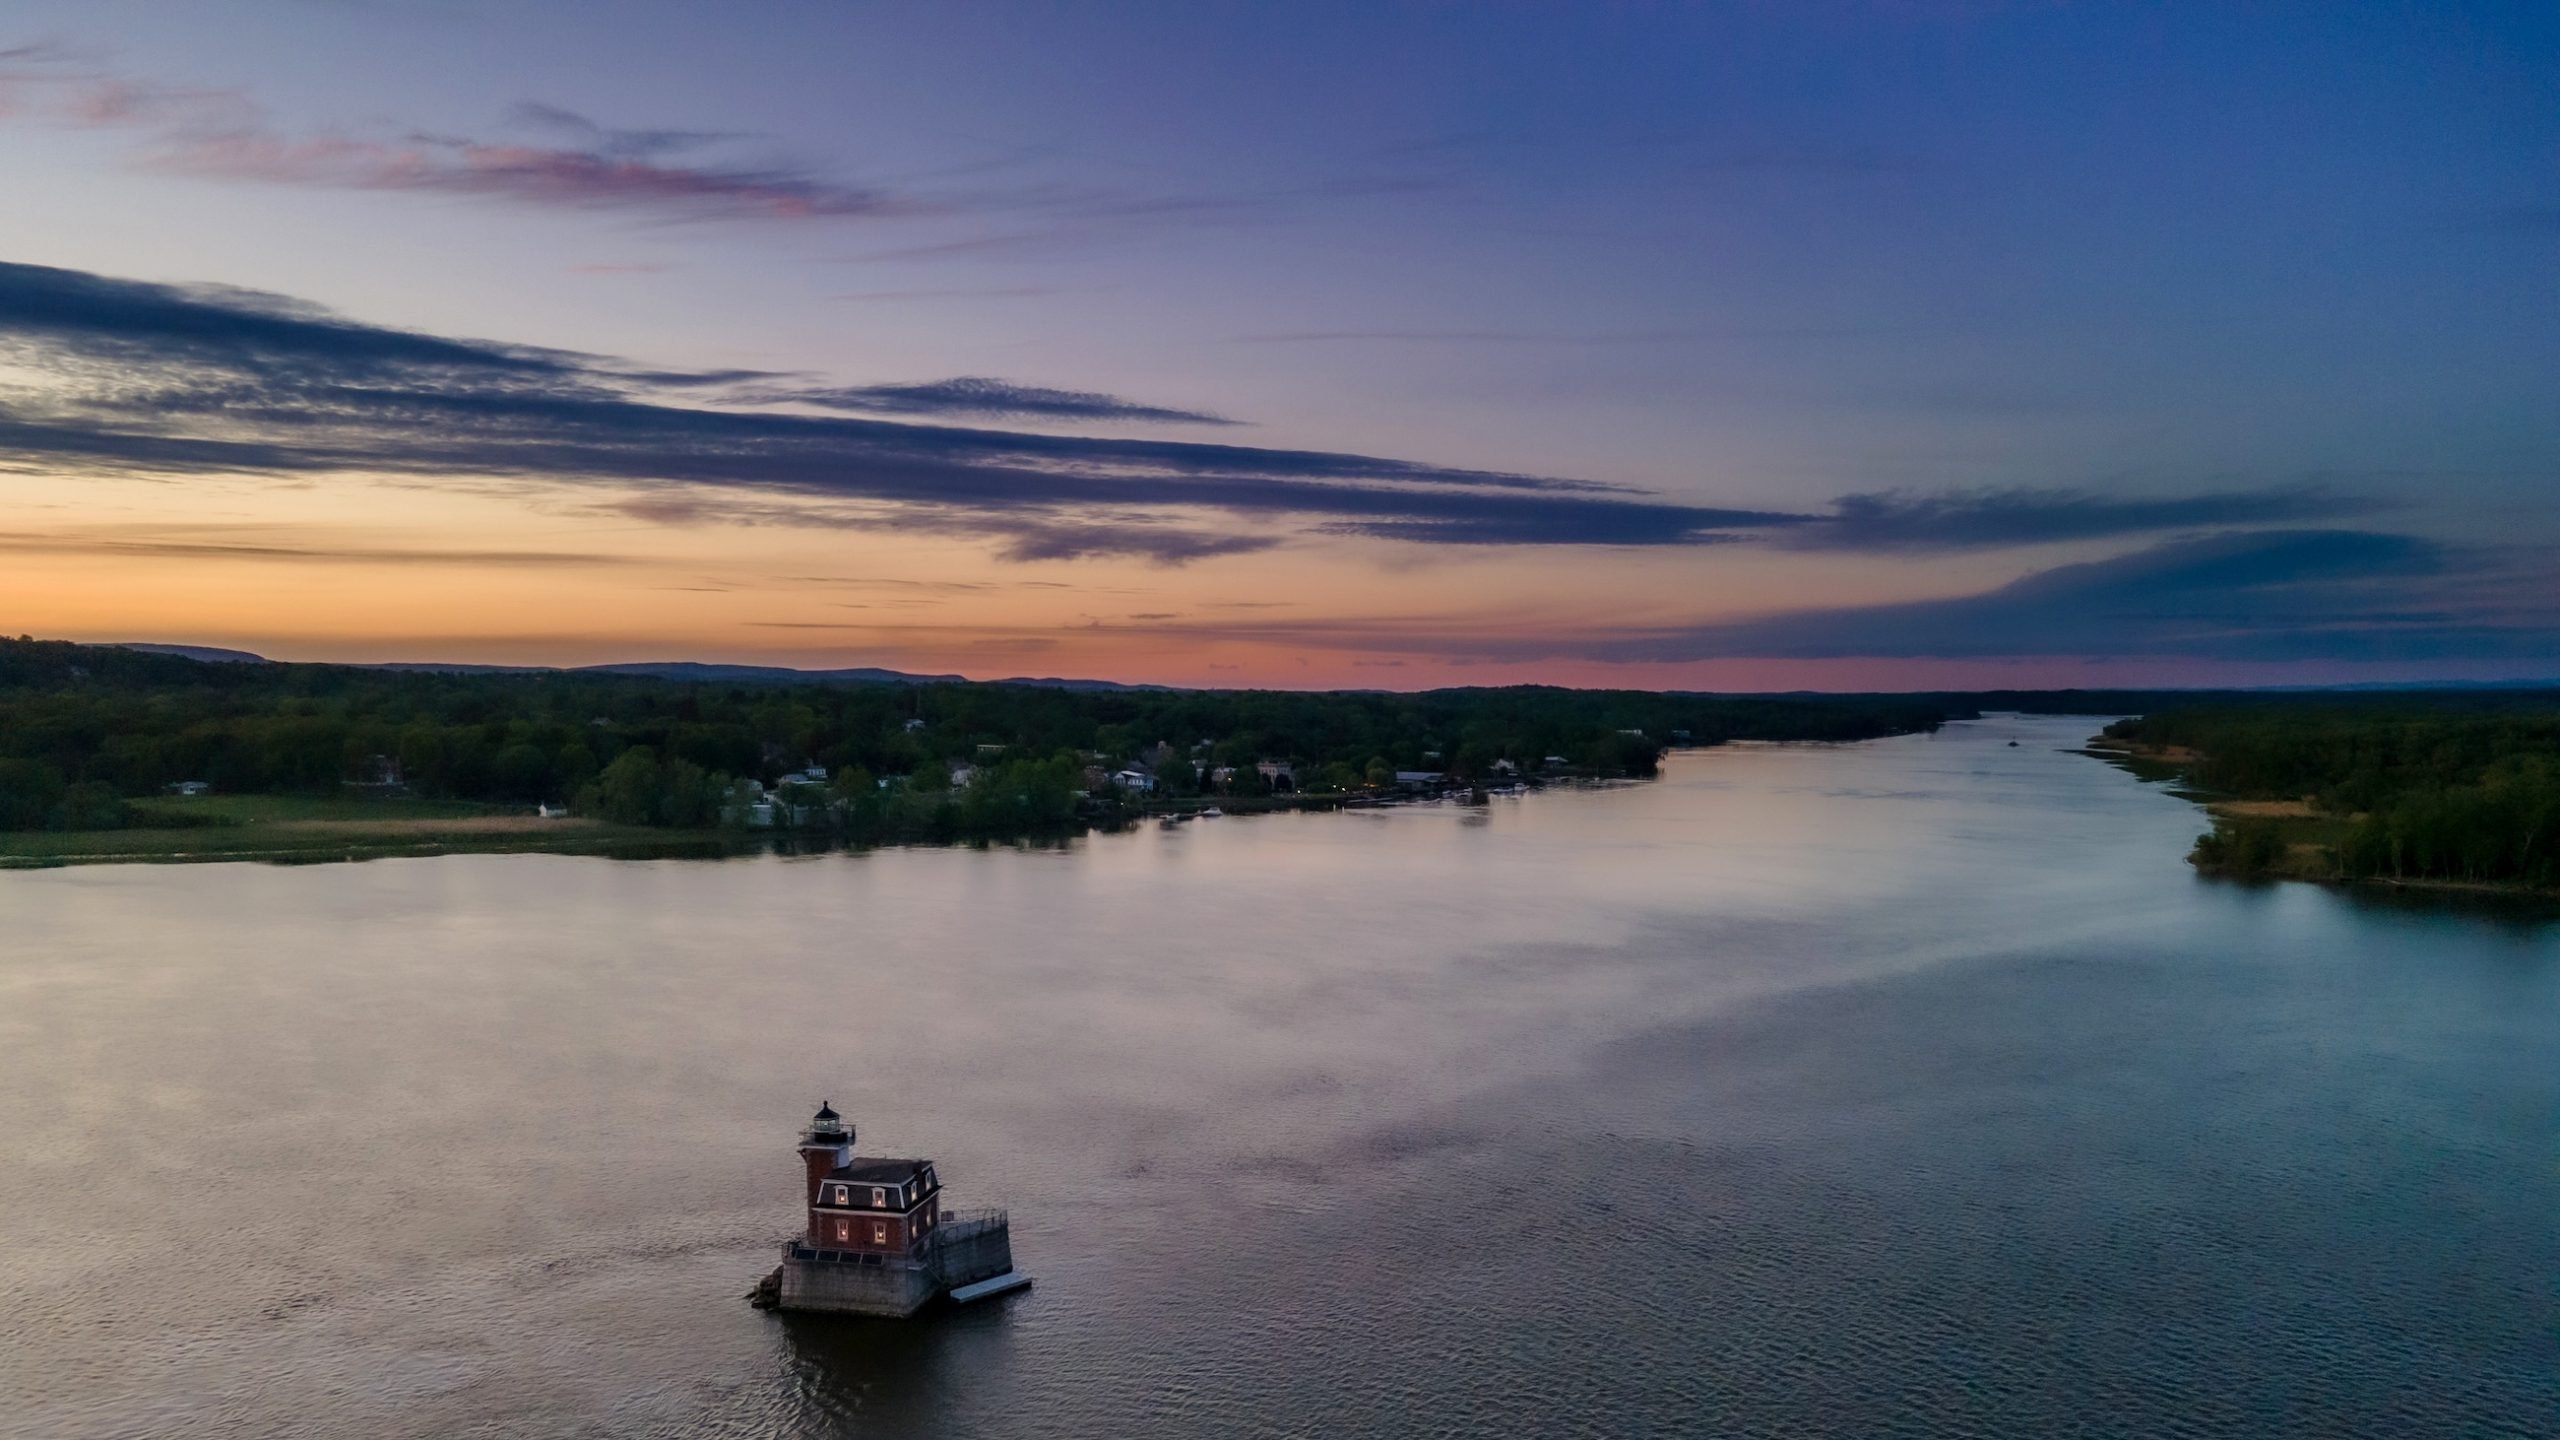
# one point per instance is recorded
(892, 1291)
(964, 1252)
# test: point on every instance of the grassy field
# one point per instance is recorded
(211, 810)
(299, 827)
(2307, 840)
(2141, 761)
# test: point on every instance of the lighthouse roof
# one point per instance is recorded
(870, 1171)
(826, 1111)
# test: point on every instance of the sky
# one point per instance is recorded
(1824, 344)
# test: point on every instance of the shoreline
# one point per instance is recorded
(345, 839)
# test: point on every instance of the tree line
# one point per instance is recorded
(2461, 787)
(85, 730)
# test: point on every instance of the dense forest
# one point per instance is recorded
(86, 730)
(2458, 787)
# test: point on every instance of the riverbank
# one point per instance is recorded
(289, 828)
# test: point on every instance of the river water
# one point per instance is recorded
(1906, 1088)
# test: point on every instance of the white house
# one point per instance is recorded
(1135, 781)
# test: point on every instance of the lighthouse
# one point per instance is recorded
(826, 1144)
(877, 1240)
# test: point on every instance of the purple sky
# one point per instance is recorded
(1835, 343)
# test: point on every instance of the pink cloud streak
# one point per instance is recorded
(535, 175)
(223, 135)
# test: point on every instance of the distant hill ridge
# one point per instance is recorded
(695, 670)
(2108, 700)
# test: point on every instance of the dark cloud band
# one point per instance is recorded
(993, 399)
(171, 379)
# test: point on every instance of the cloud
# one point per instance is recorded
(1975, 519)
(1476, 337)
(40, 52)
(529, 174)
(2258, 597)
(1022, 537)
(174, 380)
(620, 144)
(581, 164)
(962, 292)
(569, 160)
(2254, 596)
(996, 399)
(1163, 545)
(1010, 245)
(132, 377)
(127, 547)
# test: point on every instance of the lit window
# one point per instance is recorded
(879, 1198)
(879, 1233)
(844, 1229)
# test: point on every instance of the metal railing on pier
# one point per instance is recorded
(956, 1228)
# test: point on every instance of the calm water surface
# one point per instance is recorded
(1911, 1088)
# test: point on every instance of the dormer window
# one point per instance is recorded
(879, 1198)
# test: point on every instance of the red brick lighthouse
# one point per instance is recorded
(877, 1241)
(871, 1207)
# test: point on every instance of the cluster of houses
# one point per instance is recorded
(801, 797)
(797, 799)
(1279, 777)
(1140, 776)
